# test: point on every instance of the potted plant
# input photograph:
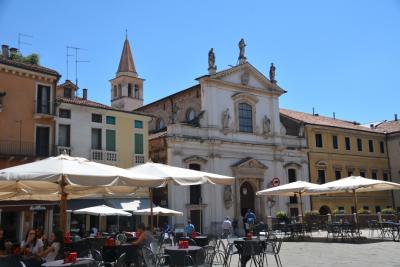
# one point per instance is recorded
(312, 213)
(281, 216)
(387, 211)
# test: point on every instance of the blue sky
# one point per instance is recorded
(336, 56)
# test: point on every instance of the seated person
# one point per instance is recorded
(189, 228)
(93, 232)
(145, 236)
(31, 246)
(50, 253)
(2, 243)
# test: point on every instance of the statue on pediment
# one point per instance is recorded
(272, 73)
(242, 46)
(175, 110)
(211, 59)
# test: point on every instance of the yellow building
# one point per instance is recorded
(338, 149)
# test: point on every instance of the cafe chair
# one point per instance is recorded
(192, 242)
(154, 260)
(91, 253)
(120, 262)
(273, 247)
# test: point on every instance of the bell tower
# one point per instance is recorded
(126, 87)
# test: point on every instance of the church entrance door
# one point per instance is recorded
(247, 198)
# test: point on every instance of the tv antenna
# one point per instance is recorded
(76, 60)
(21, 42)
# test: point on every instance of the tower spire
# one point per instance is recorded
(126, 63)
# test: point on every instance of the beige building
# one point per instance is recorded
(392, 131)
(339, 148)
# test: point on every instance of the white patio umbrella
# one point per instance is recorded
(354, 184)
(298, 187)
(178, 176)
(64, 177)
(158, 211)
(103, 210)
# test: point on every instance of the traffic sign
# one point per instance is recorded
(275, 181)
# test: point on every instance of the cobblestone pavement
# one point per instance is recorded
(319, 252)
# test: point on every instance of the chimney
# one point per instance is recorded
(84, 93)
(4, 49)
(13, 51)
(395, 117)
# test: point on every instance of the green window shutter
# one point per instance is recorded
(110, 120)
(138, 124)
(110, 140)
(138, 143)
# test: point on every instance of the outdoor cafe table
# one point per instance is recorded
(81, 262)
(177, 255)
(201, 240)
(249, 248)
(112, 253)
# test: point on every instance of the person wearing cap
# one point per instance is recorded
(226, 227)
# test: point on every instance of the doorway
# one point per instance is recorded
(196, 218)
(42, 141)
(247, 198)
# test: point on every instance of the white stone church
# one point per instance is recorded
(227, 123)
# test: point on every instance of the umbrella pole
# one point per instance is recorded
(301, 208)
(355, 204)
(63, 206)
(151, 209)
(117, 224)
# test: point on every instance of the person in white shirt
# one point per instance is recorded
(31, 246)
(50, 253)
(226, 227)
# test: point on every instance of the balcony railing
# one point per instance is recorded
(46, 109)
(138, 159)
(104, 156)
(27, 149)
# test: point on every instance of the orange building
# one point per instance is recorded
(27, 93)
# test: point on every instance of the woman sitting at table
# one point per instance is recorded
(145, 236)
(53, 250)
(31, 246)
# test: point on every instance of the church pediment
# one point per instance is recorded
(248, 76)
(250, 163)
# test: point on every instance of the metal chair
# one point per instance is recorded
(91, 253)
(273, 247)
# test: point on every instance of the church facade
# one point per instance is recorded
(227, 123)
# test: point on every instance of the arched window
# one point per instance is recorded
(292, 177)
(119, 90)
(115, 91)
(129, 90)
(160, 124)
(136, 94)
(245, 118)
(190, 114)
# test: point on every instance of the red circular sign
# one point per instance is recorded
(276, 182)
